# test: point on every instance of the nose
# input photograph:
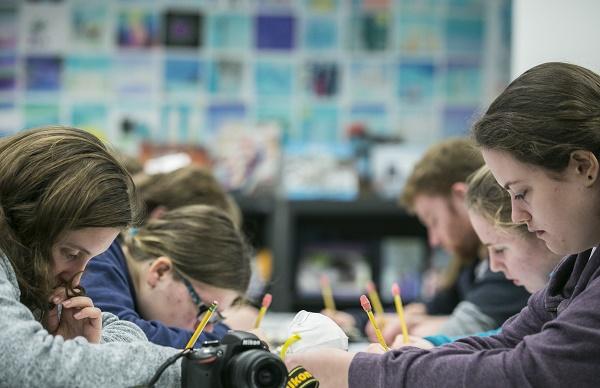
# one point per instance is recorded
(496, 263)
(433, 239)
(518, 214)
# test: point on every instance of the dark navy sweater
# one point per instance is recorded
(108, 283)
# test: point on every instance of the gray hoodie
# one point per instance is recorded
(553, 342)
(31, 357)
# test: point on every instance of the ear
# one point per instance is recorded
(158, 212)
(158, 269)
(458, 191)
(586, 166)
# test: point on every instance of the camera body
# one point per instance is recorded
(239, 360)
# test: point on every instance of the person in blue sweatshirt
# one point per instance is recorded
(541, 140)
(165, 274)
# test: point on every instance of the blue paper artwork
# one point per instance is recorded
(320, 33)
(275, 32)
(416, 83)
(273, 78)
(43, 74)
(230, 31)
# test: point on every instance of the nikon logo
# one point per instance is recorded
(250, 342)
(301, 378)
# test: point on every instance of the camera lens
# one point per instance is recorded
(257, 369)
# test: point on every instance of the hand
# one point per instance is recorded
(241, 317)
(344, 320)
(329, 366)
(429, 326)
(414, 341)
(389, 326)
(375, 347)
(78, 317)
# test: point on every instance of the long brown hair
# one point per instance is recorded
(544, 115)
(52, 180)
(201, 241)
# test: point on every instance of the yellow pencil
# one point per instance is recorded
(366, 305)
(266, 302)
(400, 311)
(201, 325)
(374, 296)
(327, 293)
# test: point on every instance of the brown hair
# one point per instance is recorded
(443, 165)
(544, 115)
(190, 185)
(488, 199)
(52, 180)
(201, 241)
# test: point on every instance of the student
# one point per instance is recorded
(540, 138)
(190, 185)
(474, 299)
(513, 250)
(63, 199)
(170, 270)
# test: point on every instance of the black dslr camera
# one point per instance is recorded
(239, 360)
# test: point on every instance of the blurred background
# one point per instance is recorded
(311, 112)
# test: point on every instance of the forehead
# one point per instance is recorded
(426, 204)
(487, 232)
(506, 168)
(88, 239)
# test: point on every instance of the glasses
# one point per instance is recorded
(217, 317)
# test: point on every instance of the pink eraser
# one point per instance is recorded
(364, 302)
(324, 281)
(370, 286)
(395, 289)
(266, 302)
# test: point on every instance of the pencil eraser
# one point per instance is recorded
(324, 280)
(370, 286)
(364, 302)
(395, 289)
(266, 302)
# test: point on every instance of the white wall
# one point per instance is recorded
(555, 30)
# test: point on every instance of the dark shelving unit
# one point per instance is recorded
(286, 226)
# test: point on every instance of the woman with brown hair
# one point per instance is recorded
(63, 199)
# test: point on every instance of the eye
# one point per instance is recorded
(520, 196)
(498, 251)
(71, 255)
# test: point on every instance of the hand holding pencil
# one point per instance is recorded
(366, 305)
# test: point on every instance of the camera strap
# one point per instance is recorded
(301, 378)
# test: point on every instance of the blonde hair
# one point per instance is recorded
(488, 199)
(201, 241)
(52, 180)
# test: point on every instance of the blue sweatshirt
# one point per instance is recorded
(553, 342)
(108, 283)
(441, 339)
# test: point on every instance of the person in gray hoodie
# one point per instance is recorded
(63, 200)
(541, 140)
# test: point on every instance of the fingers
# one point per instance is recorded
(52, 319)
(89, 313)
(58, 296)
(78, 302)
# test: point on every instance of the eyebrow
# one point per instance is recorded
(508, 184)
(74, 246)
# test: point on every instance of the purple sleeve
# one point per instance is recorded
(107, 283)
(532, 350)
